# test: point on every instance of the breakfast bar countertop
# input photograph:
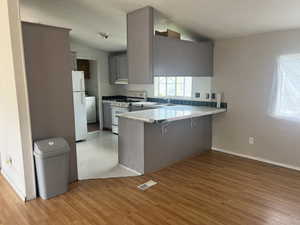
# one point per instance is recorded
(171, 113)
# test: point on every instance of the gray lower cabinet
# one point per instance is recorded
(175, 57)
(107, 119)
(147, 147)
(118, 66)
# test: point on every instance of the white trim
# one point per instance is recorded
(256, 158)
(131, 170)
(15, 188)
(175, 96)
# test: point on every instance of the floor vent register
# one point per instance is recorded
(147, 185)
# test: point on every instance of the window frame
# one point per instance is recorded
(157, 86)
(284, 88)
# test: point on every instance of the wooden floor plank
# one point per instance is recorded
(210, 189)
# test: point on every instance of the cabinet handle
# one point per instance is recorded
(82, 98)
(193, 124)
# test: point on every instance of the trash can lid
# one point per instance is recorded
(51, 147)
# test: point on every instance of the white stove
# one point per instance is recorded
(136, 100)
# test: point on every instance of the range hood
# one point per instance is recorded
(121, 81)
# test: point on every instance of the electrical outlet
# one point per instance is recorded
(251, 140)
(9, 161)
(213, 95)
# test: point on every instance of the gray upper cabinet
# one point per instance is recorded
(122, 66)
(118, 67)
(173, 57)
(139, 46)
(113, 68)
(150, 55)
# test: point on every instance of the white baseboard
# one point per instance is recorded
(256, 158)
(131, 170)
(21, 195)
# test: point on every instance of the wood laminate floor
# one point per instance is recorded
(213, 188)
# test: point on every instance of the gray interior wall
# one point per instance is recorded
(49, 78)
(244, 71)
(91, 85)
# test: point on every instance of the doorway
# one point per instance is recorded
(97, 154)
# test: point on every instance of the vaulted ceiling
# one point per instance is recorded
(216, 19)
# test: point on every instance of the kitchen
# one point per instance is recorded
(194, 129)
(108, 84)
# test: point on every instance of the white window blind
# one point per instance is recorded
(287, 100)
(173, 86)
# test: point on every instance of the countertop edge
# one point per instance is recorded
(200, 114)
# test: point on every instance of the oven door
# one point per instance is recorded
(115, 111)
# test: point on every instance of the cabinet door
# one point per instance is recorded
(122, 67)
(139, 46)
(182, 58)
(113, 69)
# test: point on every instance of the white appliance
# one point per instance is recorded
(79, 105)
(115, 111)
(135, 100)
(91, 109)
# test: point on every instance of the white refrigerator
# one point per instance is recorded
(79, 105)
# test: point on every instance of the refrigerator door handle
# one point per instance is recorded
(82, 98)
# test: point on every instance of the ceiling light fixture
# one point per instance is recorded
(103, 35)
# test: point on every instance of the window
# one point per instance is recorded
(173, 86)
(287, 96)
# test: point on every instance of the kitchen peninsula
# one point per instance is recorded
(152, 139)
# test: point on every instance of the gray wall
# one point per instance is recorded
(91, 85)
(244, 71)
(49, 78)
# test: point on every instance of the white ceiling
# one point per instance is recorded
(217, 19)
